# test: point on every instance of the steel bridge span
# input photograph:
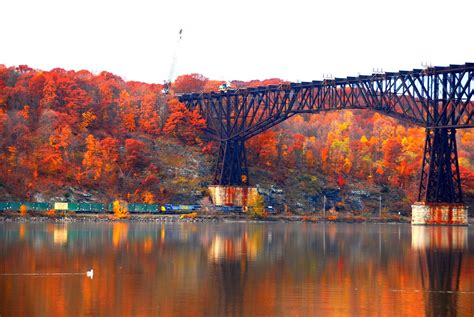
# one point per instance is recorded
(440, 99)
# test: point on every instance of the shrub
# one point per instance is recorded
(310, 218)
(120, 209)
(51, 213)
(360, 219)
(189, 216)
(257, 207)
(23, 211)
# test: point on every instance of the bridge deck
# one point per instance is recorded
(438, 97)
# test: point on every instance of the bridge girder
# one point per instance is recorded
(436, 97)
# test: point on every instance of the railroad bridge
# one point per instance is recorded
(440, 99)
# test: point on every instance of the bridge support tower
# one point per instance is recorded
(440, 199)
(231, 181)
(231, 166)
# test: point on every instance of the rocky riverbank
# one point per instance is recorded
(208, 218)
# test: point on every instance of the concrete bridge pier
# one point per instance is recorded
(236, 196)
(439, 214)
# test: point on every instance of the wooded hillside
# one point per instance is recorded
(78, 135)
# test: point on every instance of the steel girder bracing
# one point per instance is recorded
(440, 179)
(433, 98)
(231, 166)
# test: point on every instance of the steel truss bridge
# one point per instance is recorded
(440, 99)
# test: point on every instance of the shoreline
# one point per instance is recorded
(200, 218)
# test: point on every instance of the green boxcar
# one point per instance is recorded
(97, 208)
(142, 208)
(29, 206)
(3, 206)
(42, 206)
(153, 208)
(131, 207)
(73, 207)
(77, 207)
(84, 207)
(14, 206)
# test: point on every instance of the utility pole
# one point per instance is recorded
(324, 205)
(380, 206)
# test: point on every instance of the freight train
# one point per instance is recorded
(99, 208)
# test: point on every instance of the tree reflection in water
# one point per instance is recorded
(235, 269)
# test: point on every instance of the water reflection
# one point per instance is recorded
(119, 233)
(231, 276)
(59, 234)
(235, 269)
(440, 252)
(22, 231)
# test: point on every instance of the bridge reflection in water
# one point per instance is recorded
(440, 252)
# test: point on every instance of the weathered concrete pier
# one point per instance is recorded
(439, 214)
(238, 196)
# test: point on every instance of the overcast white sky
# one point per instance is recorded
(245, 39)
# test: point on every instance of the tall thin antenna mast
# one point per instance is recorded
(167, 84)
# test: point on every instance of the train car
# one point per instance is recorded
(80, 207)
(143, 208)
(3, 206)
(30, 206)
(153, 208)
(170, 208)
(95, 207)
(99, 208)
(14, 206)
(41, 206)
(229, 208)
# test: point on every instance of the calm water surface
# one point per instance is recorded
(235, 269)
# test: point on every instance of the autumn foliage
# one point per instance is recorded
(23, 211)
(120, 209)
(101, 134)
(95, 132)
(192, 215)
(184, 124)
(50, 213)
(256, 208)
(351, 147)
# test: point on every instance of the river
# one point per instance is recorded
(235, 269)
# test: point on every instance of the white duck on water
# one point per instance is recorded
(90, 273)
